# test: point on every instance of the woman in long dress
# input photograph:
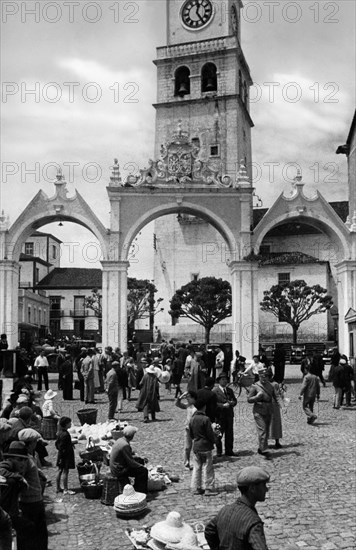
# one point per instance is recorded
(275, 429)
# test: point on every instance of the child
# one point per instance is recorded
(203, 437)
(65, 460)
(310, 390)
(191, 398)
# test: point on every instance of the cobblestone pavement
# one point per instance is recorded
(310, 505)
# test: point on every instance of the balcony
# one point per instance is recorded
(74, 313)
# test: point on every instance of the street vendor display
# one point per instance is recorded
(171, 530)
(130, 503)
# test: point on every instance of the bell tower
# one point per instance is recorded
(203, 80)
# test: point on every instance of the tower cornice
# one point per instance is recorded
(212, 45)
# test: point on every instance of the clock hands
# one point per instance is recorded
(198, 14)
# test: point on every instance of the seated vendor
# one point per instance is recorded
(123, 463)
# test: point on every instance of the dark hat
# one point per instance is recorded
(17, 448)
(251, 475)
(223, 375)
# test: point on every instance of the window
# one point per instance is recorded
(214, 150)
(29, 249)
(35, 315)
(79, 306)
(54, 251)
(283, 278)
(209, 80)
(37, 275)
(196, 142)
(29, 314)
(182, 82)
(281, 319)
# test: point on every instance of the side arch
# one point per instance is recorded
(43, 210)
(318, 221)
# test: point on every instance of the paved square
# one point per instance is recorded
(312, 497)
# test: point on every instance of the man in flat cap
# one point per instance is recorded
(123, 463)
(238, 525)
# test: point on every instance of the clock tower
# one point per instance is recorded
(203, 80)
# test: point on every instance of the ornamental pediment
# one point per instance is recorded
(180, 165)
(350, 316)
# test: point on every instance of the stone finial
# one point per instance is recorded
(348, 223)
(297, 184)
(115, 178)
(180, 136)
(298, 178)
(242, 176)
(60, 184)
(4, 221)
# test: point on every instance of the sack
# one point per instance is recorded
(92, 452)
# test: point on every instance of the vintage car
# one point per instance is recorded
(297, 353)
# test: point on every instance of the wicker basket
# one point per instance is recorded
(87, 416)
(49, 428)
(92, 491)
(111, 489)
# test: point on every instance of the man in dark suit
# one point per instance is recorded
(226, 401)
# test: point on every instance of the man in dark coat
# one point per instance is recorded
(67, 377)
(279, 362)
(318, 366)
(226, 401)
(123, 464)
(238, 525)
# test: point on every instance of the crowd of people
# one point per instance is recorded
(209, 401)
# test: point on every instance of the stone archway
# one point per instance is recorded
(181, 183)
(178, 182)
(39, 212)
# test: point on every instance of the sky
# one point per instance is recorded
(78, 84)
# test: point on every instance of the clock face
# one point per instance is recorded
(234, 18)
(196, 14)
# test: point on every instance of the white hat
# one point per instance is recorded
(171, 530)
(50, 394)
(164, 377)
(151, 369)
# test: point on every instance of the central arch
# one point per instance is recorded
(189, 208)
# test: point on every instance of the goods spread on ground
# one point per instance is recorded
(171, 534)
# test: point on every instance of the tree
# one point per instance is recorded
(93, 302)
(140, 300)
(206, 301)
(295, 302)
